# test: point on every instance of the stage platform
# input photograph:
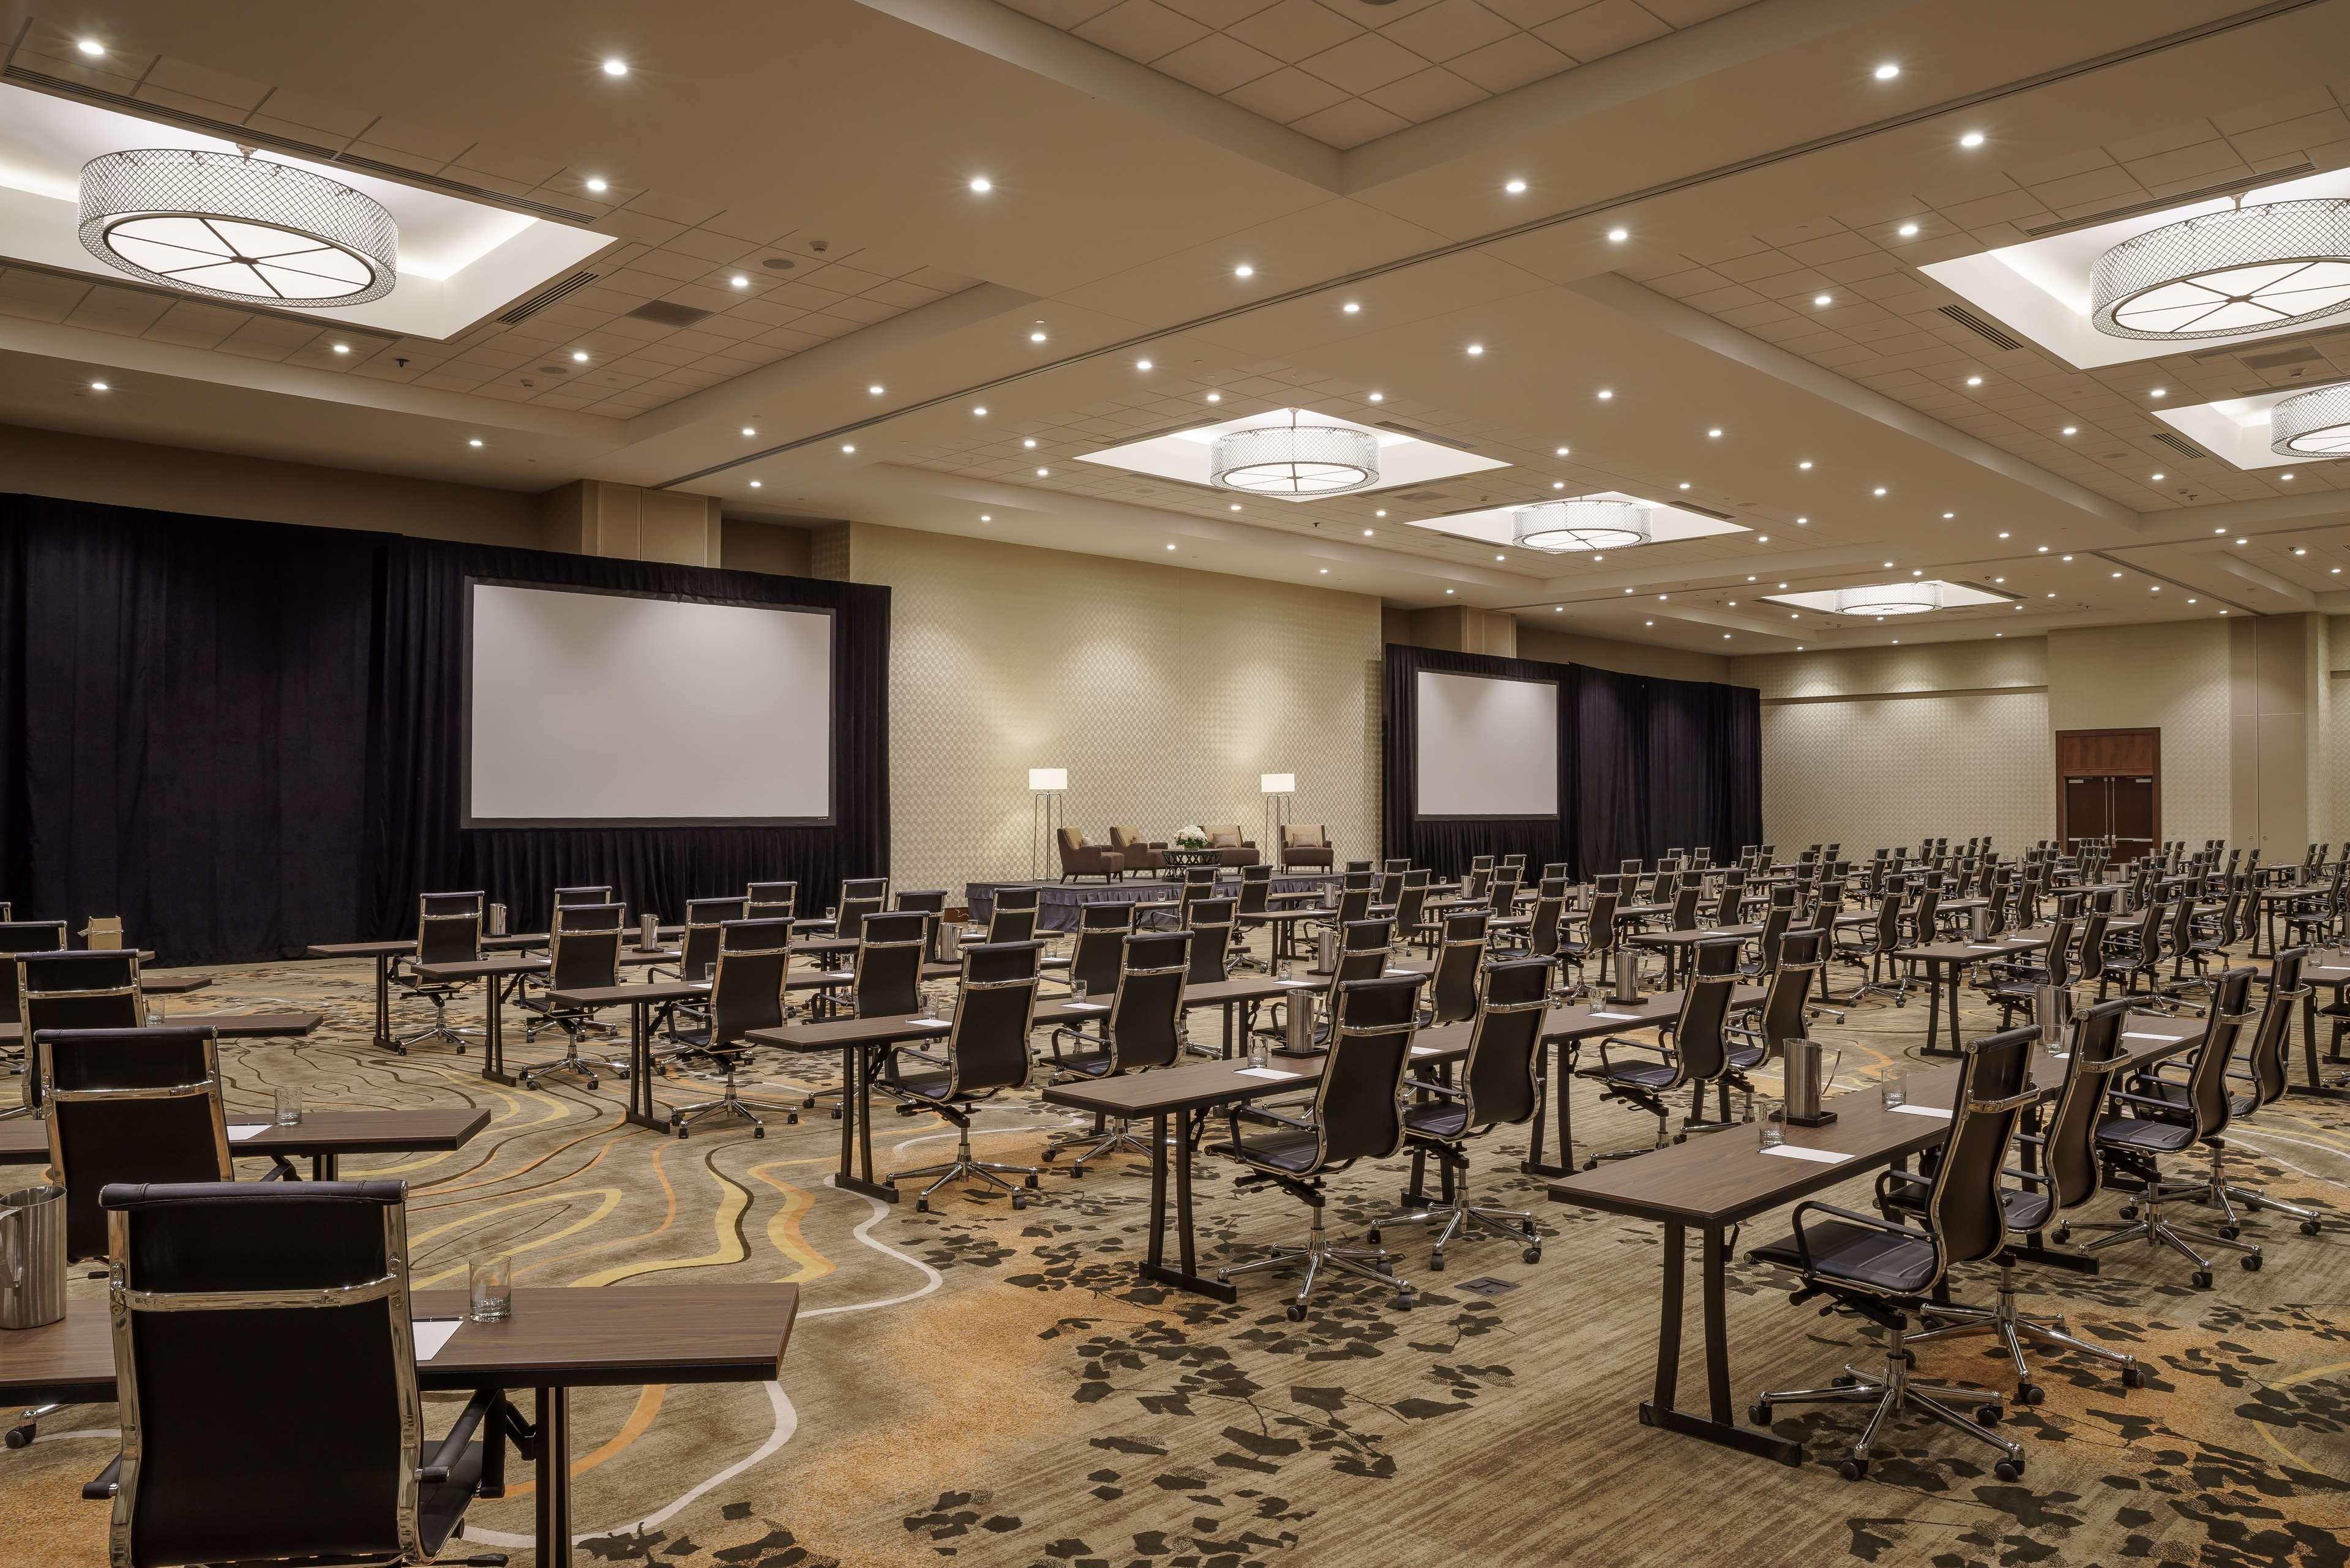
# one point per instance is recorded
(1058, 903)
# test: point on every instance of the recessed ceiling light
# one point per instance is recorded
(1803, 522)
(1783, 585)
(1215, 397)
(342, 348)
(1606, 393)
(1558, 609)
(1562, 452)
(1822, 299)
(2223, 612)
(2002, 535)
(1685, 483)
(1661, 598)
(90, 46)
(1515, 187)
(1142, 364)
(470, 441)
(750, 430)
(1324, 570)
(1725, 637)
(1029, 442)
(2219, 530)
(1244, 270)
(1447, 590)
(1648, 623)
(876, 389)
(579, 356)
(2117, 573)
(1878, 491)
(1381, 513)
(1367, 533)
(1501, 557)
(1948, 515)
(2191, 601)
(1908, 231)
(2043, 549)
(1733, 603)
(1035, 338)
(981, 184)
(1171, 546)
(1974, 380)
(2239, 542)
(616, 68)
(597, 184)
(1806, 464)
(1236, 506)
(1351, 307)
(1475, 349)
(1971, 139)
(2156, 588)
(2072, 430)
(739, 281)
(1888, 565)
(1886, 72)
(2157, 391)
(987, 516)
(980, 412)
(848, 447)
(757, 484)
(1619, 235)
(2284, 476)
(1043, 473)
(1716, 435)
(1378, 396)
(1762, 538)
(1558, 484)
(2154, 478)
(1998, 579)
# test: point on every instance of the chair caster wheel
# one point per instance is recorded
(20, 1437)
(1371, 1236)
(534, 1084)
(2130, 1210)
(921, 1206)
(2009, 1469)
(1680, 1137)
(1991, 1415)
(2200, 1279)
(1406, 1302)
(791, 1118)
(1051, 1155)
(2133, 1377)
(1030, 1183)
(1436, 1262)
(593, 1084)
(1591, 1164)
(1019, 1202)
(758, 1132)
(1296, 1312)
(1855, 1469)
(2309, 1227)
(1078, 1171)
(2064, 1234)
(2231, 1231)
(2030, 1393)
(681, 1132)
(1759, 1412)
(1533, 1254)
(836, 1112)
(2252, 1262)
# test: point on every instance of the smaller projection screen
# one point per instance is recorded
(588, 709)
(1487, 747)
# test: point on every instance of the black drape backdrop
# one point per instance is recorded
(1645, 764)
(244, 737)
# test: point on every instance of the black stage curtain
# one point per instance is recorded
(1645, 765)
(244, 737)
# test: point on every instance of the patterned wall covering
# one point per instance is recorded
(2172, 675)
(2331, 792)
(1165, 692)
(1923, 667)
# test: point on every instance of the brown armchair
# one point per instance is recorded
(1080, 858)
(1137, 854)
(1231, 847)
(1305, 845)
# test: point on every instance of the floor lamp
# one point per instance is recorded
(1276, 788)
(1046, 785)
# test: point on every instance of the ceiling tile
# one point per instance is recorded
(1510, 62)
(1295, 29)
(1217, 64)
(1425, 95)
(1366, 61)
(1598, 31)
(1452, 27)
(1286, 95)
(1141, 30)
(1351, 123)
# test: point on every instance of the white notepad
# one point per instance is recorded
(1619, 1017)
(931, 1023)
(240, 1131)
(1298, 984)
(433, 1333)
(1399, 971)
(1267, 1072)
(1085, 1006)
(1816, 1156)
(2145, 1034)
(1936, 1111)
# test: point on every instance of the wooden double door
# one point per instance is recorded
(2109, 785)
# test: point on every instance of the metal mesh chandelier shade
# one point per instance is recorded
(1296, 461)
(2248, 269)
(1583, 523)
(1889, 598)
(230, 227)
(2314, 424)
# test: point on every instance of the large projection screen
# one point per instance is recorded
(1487, 747)
(590, 709)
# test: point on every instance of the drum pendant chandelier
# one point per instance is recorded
(1296, 461)
(1889, 598)
(2312, 424)
(231, 227)
(1586, 523)
(2248, 269)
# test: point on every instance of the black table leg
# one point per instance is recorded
(1721, 1427)
(1534, 1164)
(493, 1039)
(1154, 1265)
(640, 1068)
(856, 1129)
(2313, 1086)
(325, 1166)
(554, 1490)
(383, 1040)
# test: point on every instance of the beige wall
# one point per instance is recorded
(1880, 746)
(222, 485)
(1624, 658)
(2172, 677)
(1165, 692)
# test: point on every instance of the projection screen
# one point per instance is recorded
(590, 709)
(1487, 747)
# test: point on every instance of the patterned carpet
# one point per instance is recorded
(992, 1386)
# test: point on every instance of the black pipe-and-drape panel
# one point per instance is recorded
(244, 737)
(1645, 765)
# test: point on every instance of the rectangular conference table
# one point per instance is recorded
(559, 1339)
(1722, 1180)
(385, 952)
(287, 1025)
(1568, 1027)
(325, 1136)
(1945, 962)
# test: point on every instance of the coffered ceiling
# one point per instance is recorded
(1671, 249)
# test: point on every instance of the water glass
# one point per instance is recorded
(1895, 1087)
(1076, 991)
(289, 1107)
(489, 1279)
(1769, 1132)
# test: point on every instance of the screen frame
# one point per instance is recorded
(469, 822)
(1558, 765)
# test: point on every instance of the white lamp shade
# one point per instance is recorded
(1044, 779)
(1276, 783)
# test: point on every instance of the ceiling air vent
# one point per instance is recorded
(2180, 445)
(666, 313)
(2282, 358)
(1979, 327)
(546, 297)
(2176, 198)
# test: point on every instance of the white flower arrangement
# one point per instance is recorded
(1192, 837)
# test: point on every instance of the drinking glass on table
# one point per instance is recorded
(290, 1106)
(489, 1280)
(1770, 1130)
(1077, 992)
(1895, 1088)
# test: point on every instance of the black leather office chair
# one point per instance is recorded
(1762, 1039)
(1694, 1053)
(128, 1104)
(2264, 1078)
(91, 989)
(448, 930)
(931, 904)
(2067, 1177)
(279, 1418)
(770, 901)
(1500, 1084)
(697, 955)
(2155, 1118)
(1099, 948)
(583, 952)
(1144, 1031)
(22, 937)
(985, 1052)
(1012, 917)
(1354, 1115)
(1883, 1270)
(859, 897)
(1452, 984)
(1599, 942)
(1211, 924)
(746, 992)
(1880, 950)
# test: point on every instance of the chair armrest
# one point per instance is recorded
(1873, 1221)
(444, 1459)
(1259, 1114)
(1449, 1091)
(100, 1487)
(921, 1055)
(2167, 1107)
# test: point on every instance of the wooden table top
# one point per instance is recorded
(228, 1025)
(1724, 1178)
(173, 984)
(1690, 936)
(399, 947)
(841, 1033)
(557, 1336)
(1585, 1020)
(483, 967)
(24, 1140)
(624, 995)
